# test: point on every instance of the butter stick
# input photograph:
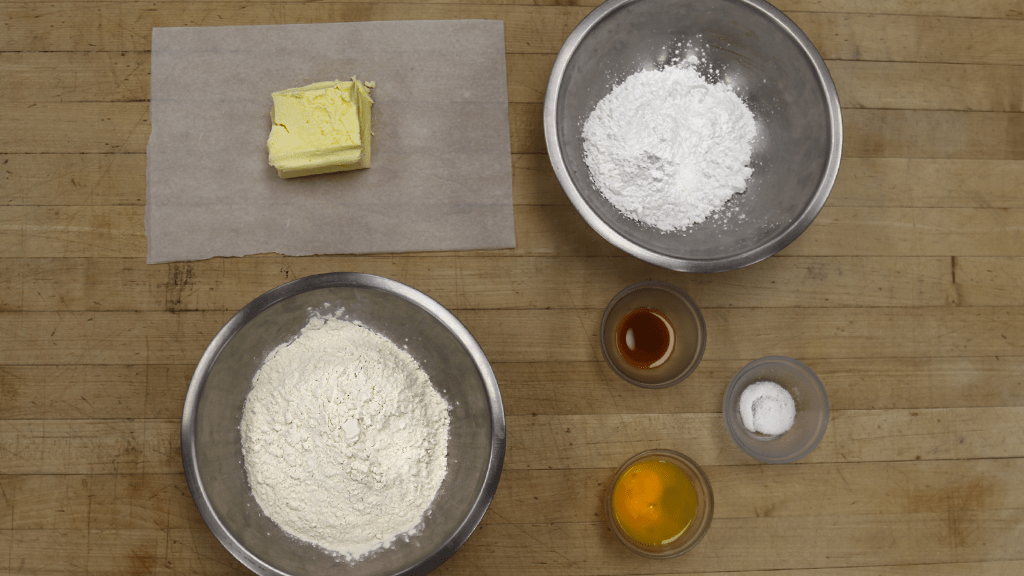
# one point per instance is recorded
(320, 128)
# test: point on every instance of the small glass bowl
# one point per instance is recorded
(701, 522)
(811, 410)
(686, 320)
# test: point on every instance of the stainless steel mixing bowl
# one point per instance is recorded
(769, 63)
(211, 445)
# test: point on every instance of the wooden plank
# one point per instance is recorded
(92, 446)
(81, 338)
(933, 134)
(983, 568)
(918, 232)
(88, 231)
(733, 545)
(528, 29)
(99, 502)
(162, 501)
(986, 281)
(1005, 9)
(75, 76)
(88, 338)
(928, 183)
(471, 282)
(157, 391)
(37, 77)
(120, 180)
(884, 85)
(556, 442)
(885, 38)
(911, 85)
(1000, 9)
(803, 491)
(552, 388)
(111, 552)
(605, 441)
(123, 127)
(97, 179)
(80, 231)
(555, 335)
(1008, 9)
(103, 392)
(106, 232)
(97, 29)
(73, 180)
(973, 492)
(586, 548)
(595, 551)
(95, 127)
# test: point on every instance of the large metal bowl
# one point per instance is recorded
(211, 445)
(769, 63)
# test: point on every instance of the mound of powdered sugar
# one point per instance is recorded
(668, 149)
(344, 439)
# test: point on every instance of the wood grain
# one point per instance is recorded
(904, 295)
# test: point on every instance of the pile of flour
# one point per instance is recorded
(344, 439)
(668, 149)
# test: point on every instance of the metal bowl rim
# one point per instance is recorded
(330, 280)
(781, 240)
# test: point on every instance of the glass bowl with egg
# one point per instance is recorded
(776, 409)
(660, 504)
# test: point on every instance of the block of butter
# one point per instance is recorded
(320, 128)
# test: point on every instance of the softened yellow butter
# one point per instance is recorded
(320, 128)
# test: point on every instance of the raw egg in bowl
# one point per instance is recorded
(660, 504)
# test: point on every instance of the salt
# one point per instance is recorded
(767, 408)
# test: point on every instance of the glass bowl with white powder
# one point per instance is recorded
(343, 423)
(697, 135)
(776, 409)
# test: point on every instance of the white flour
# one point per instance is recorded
(668, 149)
(345, 441)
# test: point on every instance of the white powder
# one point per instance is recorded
(667, 148)
(345, 441)
(767, 408)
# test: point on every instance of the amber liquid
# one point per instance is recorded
(645, 338)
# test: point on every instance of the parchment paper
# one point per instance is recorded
(441, 177)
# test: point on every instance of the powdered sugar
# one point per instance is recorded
(767, 408)
(667, 148)
(344, 439)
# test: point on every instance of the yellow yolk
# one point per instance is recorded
(654, 502)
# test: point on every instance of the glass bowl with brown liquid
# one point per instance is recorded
(653, 334)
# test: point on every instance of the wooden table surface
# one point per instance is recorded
(905, 295)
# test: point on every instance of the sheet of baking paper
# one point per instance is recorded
(441, 177)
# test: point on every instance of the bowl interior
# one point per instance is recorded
(743, 44)
(218, 454)
(812, 410)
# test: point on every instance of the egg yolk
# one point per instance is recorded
(654, 502)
